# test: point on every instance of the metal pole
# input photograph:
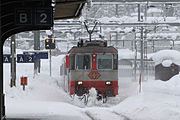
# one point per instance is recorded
(37, 47)
(13, 61)
(110, 38)
(135, 60)
(139, 12)
(90, 37)
(50, 62)
(153, 47)
(116, 40)
(142, 51)
(116, 10)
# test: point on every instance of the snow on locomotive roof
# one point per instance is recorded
(163, 55)
(93, 47)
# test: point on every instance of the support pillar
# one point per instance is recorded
(13, 61)
(37, 47)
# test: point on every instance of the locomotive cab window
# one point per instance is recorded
(115, 62)
(72, 62)
(83, 61)
(104, 61)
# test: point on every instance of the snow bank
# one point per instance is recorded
(167, 63)
(158, 101)
(44, 110)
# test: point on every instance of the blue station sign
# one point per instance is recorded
(25, 58)
(37, 54)
(41, 55)
(7, 58)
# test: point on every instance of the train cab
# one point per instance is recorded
(93, 64)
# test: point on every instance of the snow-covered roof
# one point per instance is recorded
(163, 55)
(154, 10)
(126, 54)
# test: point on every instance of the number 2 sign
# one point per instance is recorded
(43, 17)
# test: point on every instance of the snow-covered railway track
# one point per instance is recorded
(125, 117)
(89, 115)
(102, 114)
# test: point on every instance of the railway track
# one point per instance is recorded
(105, 115)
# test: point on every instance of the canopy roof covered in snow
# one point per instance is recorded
(68, 8)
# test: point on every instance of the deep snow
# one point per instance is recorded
(44, 98)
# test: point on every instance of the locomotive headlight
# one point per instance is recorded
(80, 83)
(108, 83)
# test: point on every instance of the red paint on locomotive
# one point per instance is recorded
(98, 85)
(94, 66)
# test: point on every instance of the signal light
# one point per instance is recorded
(50, 44)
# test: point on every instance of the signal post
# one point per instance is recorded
(50, 44)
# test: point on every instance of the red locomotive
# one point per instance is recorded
(91, 64)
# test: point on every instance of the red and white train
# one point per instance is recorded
(91, 64)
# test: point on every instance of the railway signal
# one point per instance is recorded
(50, 44)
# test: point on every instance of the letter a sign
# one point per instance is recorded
(6, 58)
(21, 59)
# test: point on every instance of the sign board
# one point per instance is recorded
(41, 55)
(25, 58)
(44, 16)
(7, 58)
(34, 16)
(37, 54)
(24, 17)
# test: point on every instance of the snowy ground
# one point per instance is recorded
(45, 99)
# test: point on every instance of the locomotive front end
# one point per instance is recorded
(93, 65)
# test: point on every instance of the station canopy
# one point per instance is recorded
(68, 8)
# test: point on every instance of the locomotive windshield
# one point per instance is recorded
(104, 61)
(83, 61)
(115, 62)
(72, 62)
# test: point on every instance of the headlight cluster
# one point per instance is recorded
(108, 82)
(79, 82)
